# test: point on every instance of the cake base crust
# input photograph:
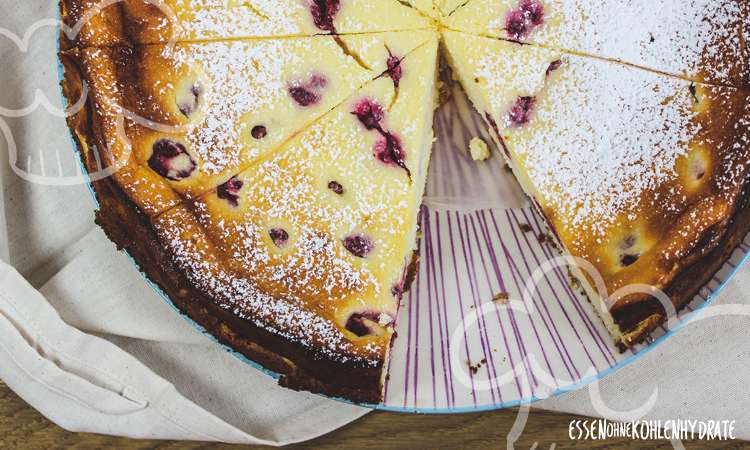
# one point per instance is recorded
(298, 368)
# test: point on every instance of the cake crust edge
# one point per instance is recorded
(691, 278)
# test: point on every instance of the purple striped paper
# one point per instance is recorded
(473, 247)
(467, 258)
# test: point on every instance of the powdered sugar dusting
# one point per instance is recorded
(287, 317)
(626, 127)
(314, 267)
(229, 18)
(291, 189)
(240, 79)
(695, 38)
(629, 132)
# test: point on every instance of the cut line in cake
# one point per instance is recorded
(216, 108)
(700, 40)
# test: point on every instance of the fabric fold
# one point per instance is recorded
(85, 383)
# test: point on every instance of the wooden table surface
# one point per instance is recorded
(22, 427)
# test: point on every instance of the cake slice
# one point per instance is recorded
(185, 118)
(304, 257)
(94, 23)
(704, 40)
(642, 175)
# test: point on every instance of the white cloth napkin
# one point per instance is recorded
(87, 342)
(85, 383)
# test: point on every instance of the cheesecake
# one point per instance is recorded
(639, 174)
(263, 162)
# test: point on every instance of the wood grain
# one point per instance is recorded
(21, 427)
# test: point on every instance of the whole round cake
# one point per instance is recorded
(264, 161)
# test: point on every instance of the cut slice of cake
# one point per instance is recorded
(704, 40)
(187, 117)
(300, 261)
(97, 23)
(641, 174)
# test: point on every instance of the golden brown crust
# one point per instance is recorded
(638, 320)
(638, 316)
(708, 228)
(638, 173)
(101, 127)
(300, 368)
(84, 28)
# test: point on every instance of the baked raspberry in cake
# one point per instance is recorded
(704, 40)
(195, 114)
(97, 23)
(267, 159)
(638, 173)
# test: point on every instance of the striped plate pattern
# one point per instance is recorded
(460, 346)
(458, 350)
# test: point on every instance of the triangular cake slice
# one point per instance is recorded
(641, 174)
(305, 255)
(97, 23)
(704, 40)
(185, 118)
